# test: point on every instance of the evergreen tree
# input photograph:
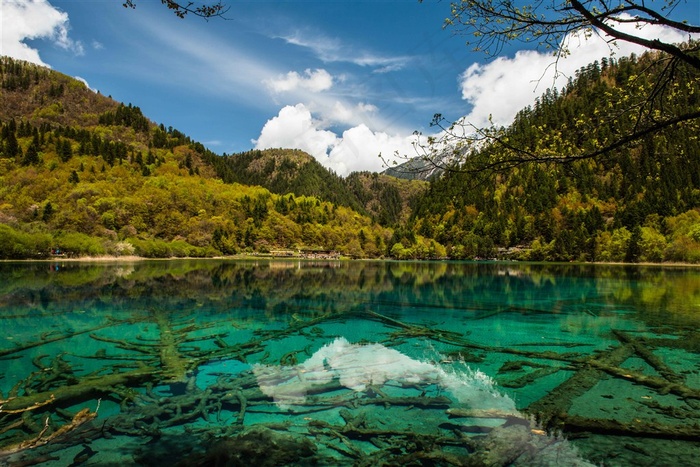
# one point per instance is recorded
(11, 146)
(31, 157)
(74, 178)
(48, 212)
(64, 149)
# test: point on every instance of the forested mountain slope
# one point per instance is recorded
(389, 200)
(284, 171)
(386, 199)
(639, 202)
(87, 175)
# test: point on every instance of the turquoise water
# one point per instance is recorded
(348, 363)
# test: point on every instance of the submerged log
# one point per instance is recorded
(80, 418)
(174, 366)
(411, 331)
(574, 423)
(83, 389)
(482, 413)
(640, 348)
(561, 398)
(661, 385)
(46, 339)
(529, 378)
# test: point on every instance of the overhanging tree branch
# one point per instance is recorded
(653, 44)
(182, 9)
(526, 157)
(639, 109)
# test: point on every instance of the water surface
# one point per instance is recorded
(348, 363)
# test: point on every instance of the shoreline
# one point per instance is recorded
(134, 259)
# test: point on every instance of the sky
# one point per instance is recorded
(344, 80)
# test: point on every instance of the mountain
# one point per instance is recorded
(285, 171)
(638, 202)
(389, 200)
(386, 199)
(82, 174)
(421, 168)
(48, 97)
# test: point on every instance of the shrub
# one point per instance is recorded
(74, 243)
(15, 244)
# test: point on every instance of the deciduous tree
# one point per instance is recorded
(647, 107)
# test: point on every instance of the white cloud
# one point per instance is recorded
(295, 128)
(229, 71)
(29, 20)
(312, 80)
(506, 85)
(349, 115)
(357, 149)
(84, 81)
(502, 87)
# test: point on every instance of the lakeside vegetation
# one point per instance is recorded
(640, 203)
(84, 174)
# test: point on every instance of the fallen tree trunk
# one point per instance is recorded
(86, 387)
(575, 423)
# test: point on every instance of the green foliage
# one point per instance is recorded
(79, 244)
(284, 171)
(126, 116)
(156, 248)
(15, 244)
(102, 189)
(637, 204)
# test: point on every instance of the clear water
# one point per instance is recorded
(348, 363)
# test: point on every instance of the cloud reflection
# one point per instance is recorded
(358, 367)
(478, 407)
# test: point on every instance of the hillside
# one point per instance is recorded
(640, 202)
(285, 171)
(84, 174)
(389, 200)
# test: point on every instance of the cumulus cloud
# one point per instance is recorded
(294, 127)
(312, 80)
(33, 19)
(349, 114)
(358, 148)
(507, 84)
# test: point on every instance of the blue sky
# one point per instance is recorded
(343, 80)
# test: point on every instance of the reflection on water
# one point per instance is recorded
(397, 387)
(348, 363)
(359, 367)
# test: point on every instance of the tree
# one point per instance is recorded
(182, 9)
(32, 155)
(48, 212)
(73, 177)
(490, 24)
(64, 149)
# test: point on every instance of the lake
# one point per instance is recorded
(366, 363)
